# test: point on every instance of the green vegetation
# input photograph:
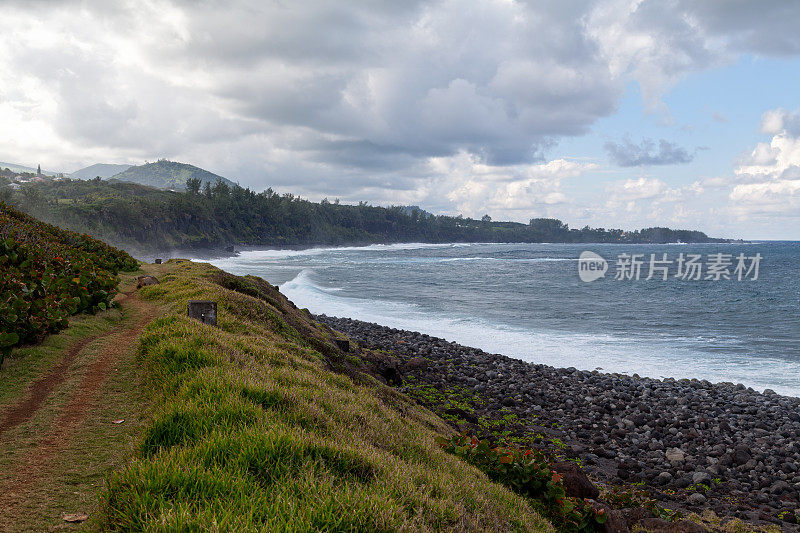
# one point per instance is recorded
(252, 429)
(48, 275)
(635, 495)
(218, 215)
(528, 472)
(168, 175)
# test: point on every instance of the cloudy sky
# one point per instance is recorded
(612, 113)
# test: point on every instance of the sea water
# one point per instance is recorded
(528, 301)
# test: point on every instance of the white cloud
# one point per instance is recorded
(769, 176)
(635, 189)
(449, 103)
(498, 79)
(780, 121)
(782, 196)
(517, 192)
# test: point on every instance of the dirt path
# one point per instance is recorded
(24, 410)
(35, 466)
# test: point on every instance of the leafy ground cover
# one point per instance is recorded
(50, 274)
(527, 471)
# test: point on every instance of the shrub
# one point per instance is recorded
(49, 274)
(528, 473)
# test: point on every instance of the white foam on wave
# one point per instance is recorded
(509, 259)
(254, 261)
(283, 254)
(274, 257)
(653, 357)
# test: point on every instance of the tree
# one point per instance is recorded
(486, 218)
(6, 195)
(32, 197)
(193, 186)
(221, 189)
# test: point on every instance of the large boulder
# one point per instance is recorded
(675, 455)
(615, 519)
(384, 366)
(576, 483)
(143, 281)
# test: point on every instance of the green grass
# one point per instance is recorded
(253, 430)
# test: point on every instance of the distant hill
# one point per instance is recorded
(168, 175)
(104, 170)
(21, 168)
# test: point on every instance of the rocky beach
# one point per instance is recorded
(692, 445)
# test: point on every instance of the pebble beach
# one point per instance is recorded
(694, 444)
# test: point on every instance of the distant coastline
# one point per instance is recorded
(205, 218)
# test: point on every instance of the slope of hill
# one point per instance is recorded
(22, 168)
(264, 423)
(104, 170)
(168, 175)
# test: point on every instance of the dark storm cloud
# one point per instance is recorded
(628, 154)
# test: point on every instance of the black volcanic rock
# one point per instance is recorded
(737, 449)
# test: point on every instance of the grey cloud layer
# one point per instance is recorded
(628, 154)
(342, 96)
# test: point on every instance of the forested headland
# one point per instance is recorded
(206, 216)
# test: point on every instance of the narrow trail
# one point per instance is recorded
(41, 389)
(34, 467)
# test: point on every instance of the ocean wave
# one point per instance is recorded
(653, 356)
(255, 255)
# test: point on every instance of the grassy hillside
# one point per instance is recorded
(263, 424)
(104, 170)
(168, 175)
(49, 274)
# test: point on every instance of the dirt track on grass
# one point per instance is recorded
(34, 467)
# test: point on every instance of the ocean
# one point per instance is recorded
(529, 301)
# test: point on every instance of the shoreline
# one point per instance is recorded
(692, 444)
(219, 252)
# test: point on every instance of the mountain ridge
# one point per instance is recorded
(165, 174)
(104, 170)
(22, 168)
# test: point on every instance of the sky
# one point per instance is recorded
(608, 113)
